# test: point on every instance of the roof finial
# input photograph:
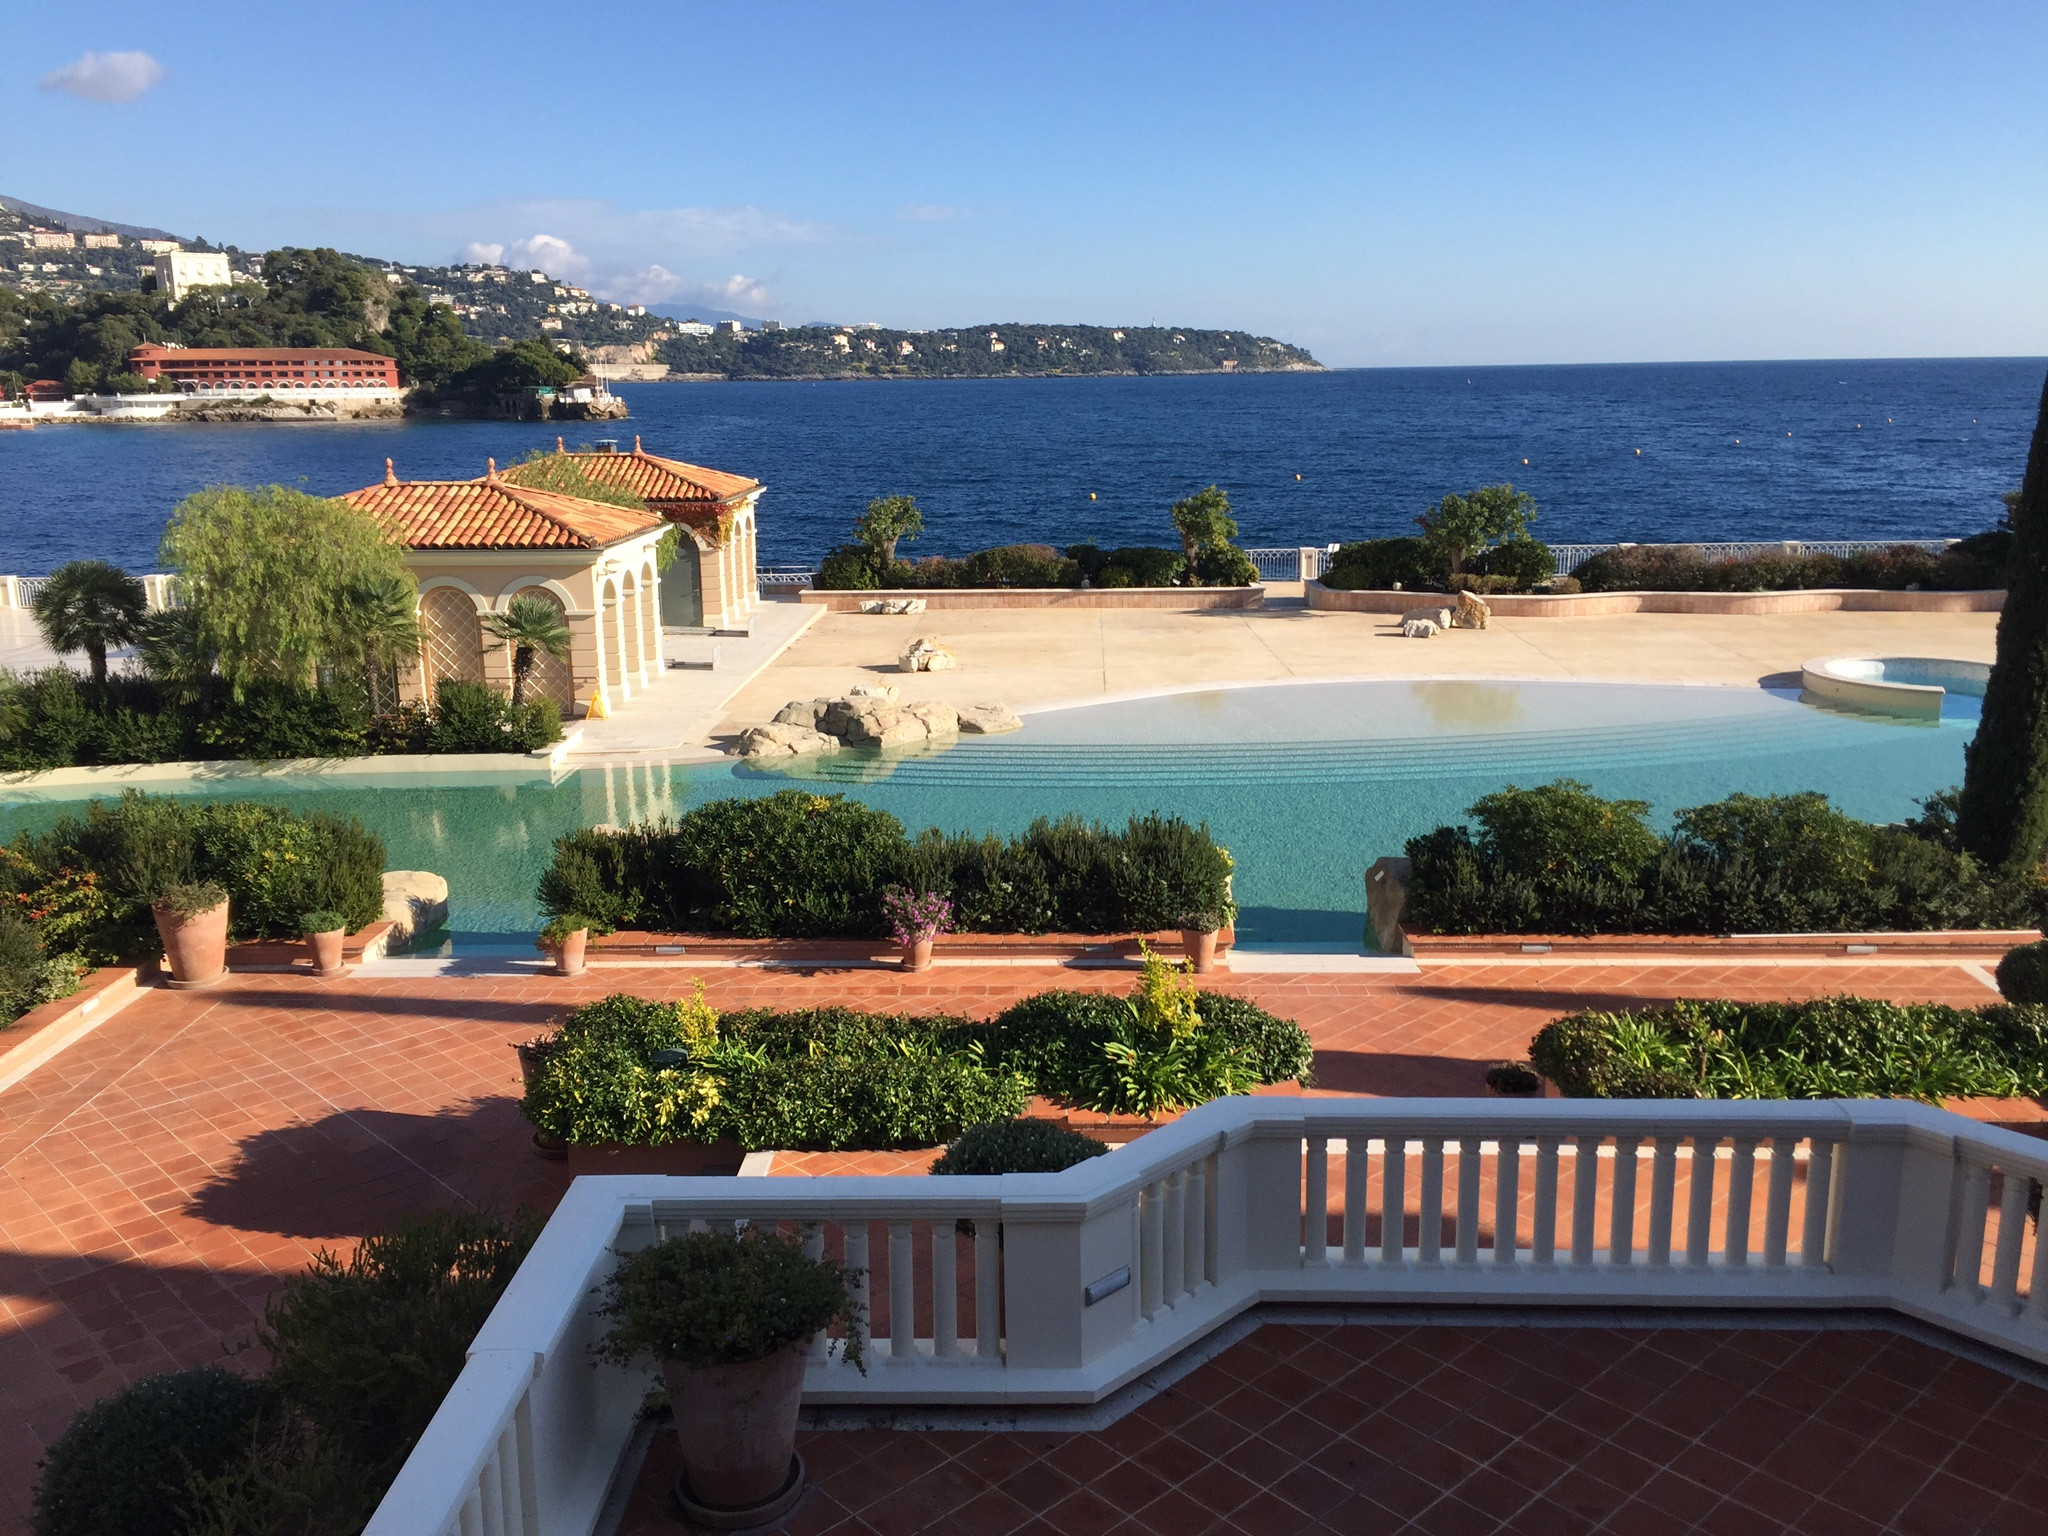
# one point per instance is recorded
(490, 469)
(390, 474)
(636, 442)
(558, 446)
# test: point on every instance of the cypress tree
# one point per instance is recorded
(2004, 813)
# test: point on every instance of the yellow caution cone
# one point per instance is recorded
(597, 711)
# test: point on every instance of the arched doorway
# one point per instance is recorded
(453, 640)
(682, 588)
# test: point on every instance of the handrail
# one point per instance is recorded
(1064, 1287)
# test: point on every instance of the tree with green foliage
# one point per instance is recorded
(888, 520)
(380, 616)
(1204, 522)
(429, 341)
(269, 576)
(530, 364)
(2004, 814)
(90, 606)
(533, 627)
(1459, 527)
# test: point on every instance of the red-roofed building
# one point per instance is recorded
(243, 373)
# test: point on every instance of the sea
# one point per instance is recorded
(1668, 452)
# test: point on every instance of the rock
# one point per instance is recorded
(1472, 612)
(1386, 905)
(782, 740)
(884, 691)
(887, 726)
(1440, 617)
(939, 719)
(803, 712)
(1418, 629)
(924, 654)
(989, 719)
(415, 902)
(893, 605)
(838, 716)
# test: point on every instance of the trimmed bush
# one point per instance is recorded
(1523, 561)
(1383, 564)
(799, 865)
(1971, 565)
(470, 717)
(122, 1466)
(1136, 566)
(1016, 1146)
(1560, 859)
(858, 568)
(2023, 974)
(29, 977)
(1832, 1048)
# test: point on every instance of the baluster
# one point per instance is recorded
(1195, 1228)
(1699, 1217)
(1969, 1269)
(945, 1291)
(1356, 1167)
(902, 1296)
(1173, 1251)
(814, 1248)
(1820, 1191)
(1429, 1238)
(1315, 1215)
(1663, 1197)
(1741, 1185)
(1585, 1198)
(988, 1291)
(1507, 1196)
(472, 1516)
(1543, 1235)
(511, 1503)
(490, 1490)
(1778, 1204)
(1468, 1199)
(858, 1285)
(1394, 1200)
(1209, 1225)
(2012, 1230)
(1621, 1205)
(1149, 1262)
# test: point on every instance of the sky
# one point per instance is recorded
(1384, 184)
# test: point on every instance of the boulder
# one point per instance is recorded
(893, 605)
(782, 740)
(1440, 617)
(989, 719)
(886, 726)
(1386, 905)
(803, 712)
(838, 716)
(939, 719)
(924, 654)
(1472, 612)
(1418, 629)
(883, 691)
(415, 902)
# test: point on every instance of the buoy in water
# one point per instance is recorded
(1297, 477)
(1091, 495)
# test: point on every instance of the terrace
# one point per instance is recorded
(1800, 1341)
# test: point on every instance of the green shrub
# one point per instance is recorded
(1644, 568)
(712, 1298)
(1836, 1047)
(1523, 561)
(366, 1349)
(1973, 564)
(122, 1466)
(274, 719)
(1016, 1146)
(1168, 874)
(1378, 565)
(286, 1482)
(471, 717)
(2023, 974)
(1225, 565)
(1136, 566)
(1018, 565)
(28, 976)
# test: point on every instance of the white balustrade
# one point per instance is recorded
(1074, 1284)
(1571, 556)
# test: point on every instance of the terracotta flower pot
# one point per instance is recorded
(1199, 946)
(918, 956)
(195, 946)
(326, 951)
(569, 955)
(737, 1425)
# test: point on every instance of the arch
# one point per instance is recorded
(451, 641)
(548, 584)
(611, 643)
(552, 677)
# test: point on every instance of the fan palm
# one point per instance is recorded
(174, 653)
(380, 619)
(90, 606)
(530, 626)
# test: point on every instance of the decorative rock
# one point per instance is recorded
(924, 654)
(938, 719)
(893, 605)
(989, 719)
(887, 726)
(782, 740)
(1440, 617)
(884, 691)
(803, 712)
(415, 902)
(1418, 629)
(1472, 612)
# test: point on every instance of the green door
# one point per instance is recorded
(682, 590)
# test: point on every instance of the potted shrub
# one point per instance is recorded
(1513, 1080)
(915, 920)
(533, 1056)
(564, 940)
(325, 931)
(192, 920)
(728, 1319)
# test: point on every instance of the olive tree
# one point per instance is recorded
(887, 520)
(1459, 527)
(1203, 521)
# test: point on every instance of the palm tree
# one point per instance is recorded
(380, 619)
(529, 625)
(89, 606)
(174, 653)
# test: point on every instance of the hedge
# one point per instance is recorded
(1972, 564)
(856, 567)
(799, 865)
(1833, 1048)
(1513, 565)
(1560, 859)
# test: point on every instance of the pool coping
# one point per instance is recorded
(1571, 605)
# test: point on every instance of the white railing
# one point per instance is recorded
(786, 577)
(1093, 1276)
(1304, 563)
(20, 591)
(1571, 556)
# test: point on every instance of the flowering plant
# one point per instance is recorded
(916, 916)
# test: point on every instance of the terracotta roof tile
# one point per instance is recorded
(491, 513)
(656, 480)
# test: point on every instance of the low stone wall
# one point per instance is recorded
(937, 599)
(633, 948)
(1579, 605)
(44, 1032)
(1959, 944)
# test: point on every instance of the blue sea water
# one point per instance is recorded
(1651, 452)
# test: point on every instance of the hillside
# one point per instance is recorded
(1008, 350)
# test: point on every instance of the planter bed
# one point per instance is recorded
(937, 599)
(1951, 943)
(49, 1027)
(685, 949)
(292, 954)
(1578, 605)
(669, 1159)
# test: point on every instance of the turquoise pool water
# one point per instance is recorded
(1306, 784)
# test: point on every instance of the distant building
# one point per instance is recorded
(245, 372)
(52, 240)
(692, 328)
(771, 325)
(102, 242)
(158, 247)
(731, 327)
(636, 309)
(179, 272)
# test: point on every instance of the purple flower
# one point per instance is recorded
(916, 916)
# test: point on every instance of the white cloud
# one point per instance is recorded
(478, 254)
(657, 285)
(549, 254)
(106, 76)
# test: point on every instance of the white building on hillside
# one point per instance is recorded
(179, 272)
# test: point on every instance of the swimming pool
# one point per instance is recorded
(1305, 783)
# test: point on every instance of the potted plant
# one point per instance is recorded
(729, 1319)
(324, 931)
(533, 1055)
(915, 920)
(192, 920)
(564, 940)
(1513, 1080)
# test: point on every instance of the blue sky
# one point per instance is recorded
(1386, 184)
